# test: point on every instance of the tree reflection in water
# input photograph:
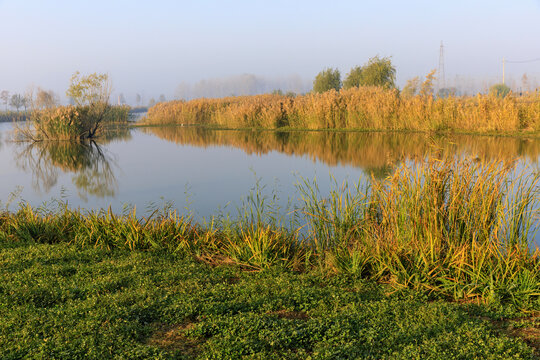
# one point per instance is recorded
(91, 166)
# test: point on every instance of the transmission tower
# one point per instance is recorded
(441, 83)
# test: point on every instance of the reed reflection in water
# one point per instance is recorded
(376, 153)
(91, 166)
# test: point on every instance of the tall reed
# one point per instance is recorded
(372, 108)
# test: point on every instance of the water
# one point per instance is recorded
(209, 171)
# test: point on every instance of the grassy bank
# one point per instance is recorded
(70, 302)
(357, 108)
(459, 230)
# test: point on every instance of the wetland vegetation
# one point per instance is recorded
(348, 275)
(367, 108)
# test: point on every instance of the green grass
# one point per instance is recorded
(77, 302)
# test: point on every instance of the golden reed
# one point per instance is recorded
(370, 108)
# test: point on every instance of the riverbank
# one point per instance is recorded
(454, 229)
(366, 108)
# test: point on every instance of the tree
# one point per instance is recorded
(4, 95)
(162, 98)
(89, 90)
(354, 78)
(326, 80)
(378, 72)
(411, 87)
(45, 99)
(152, 102)
(17, 101)
(427, 86)
(499, 90)
(91, 94)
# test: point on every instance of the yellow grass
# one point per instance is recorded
(357, 108)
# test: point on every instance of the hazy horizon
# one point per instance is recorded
(166, 46)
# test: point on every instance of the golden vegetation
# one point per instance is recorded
(373, 151)
(373, 108)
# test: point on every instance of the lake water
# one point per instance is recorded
(213, 170)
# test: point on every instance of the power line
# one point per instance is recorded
(523, 61)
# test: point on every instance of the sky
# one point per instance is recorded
(150, 47)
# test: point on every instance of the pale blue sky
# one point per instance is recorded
(152, 46)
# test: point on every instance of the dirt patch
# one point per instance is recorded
(232, 280)
(173, 338)
(295, 315)
(527, 329)
(531, 335)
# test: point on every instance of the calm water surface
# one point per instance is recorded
(209, 170)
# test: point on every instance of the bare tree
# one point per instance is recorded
(4, 95)
(45, 99)
(17, 101)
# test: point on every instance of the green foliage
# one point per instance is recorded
(378, 72)
(327, 79)
(354, 78)
(499, 90)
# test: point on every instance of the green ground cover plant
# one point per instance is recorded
(66, 301)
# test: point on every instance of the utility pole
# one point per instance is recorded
(440, 76)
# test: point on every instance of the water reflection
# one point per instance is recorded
(376, 153)
(91, 166)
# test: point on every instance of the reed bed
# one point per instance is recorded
(372, 108)
(9, 116)
(459, 229)
(73, 122)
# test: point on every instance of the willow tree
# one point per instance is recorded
(327, 79)
(91, 95)
(376, 72)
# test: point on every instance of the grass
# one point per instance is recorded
(459, 230)
(66, 301)
(370, 108)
